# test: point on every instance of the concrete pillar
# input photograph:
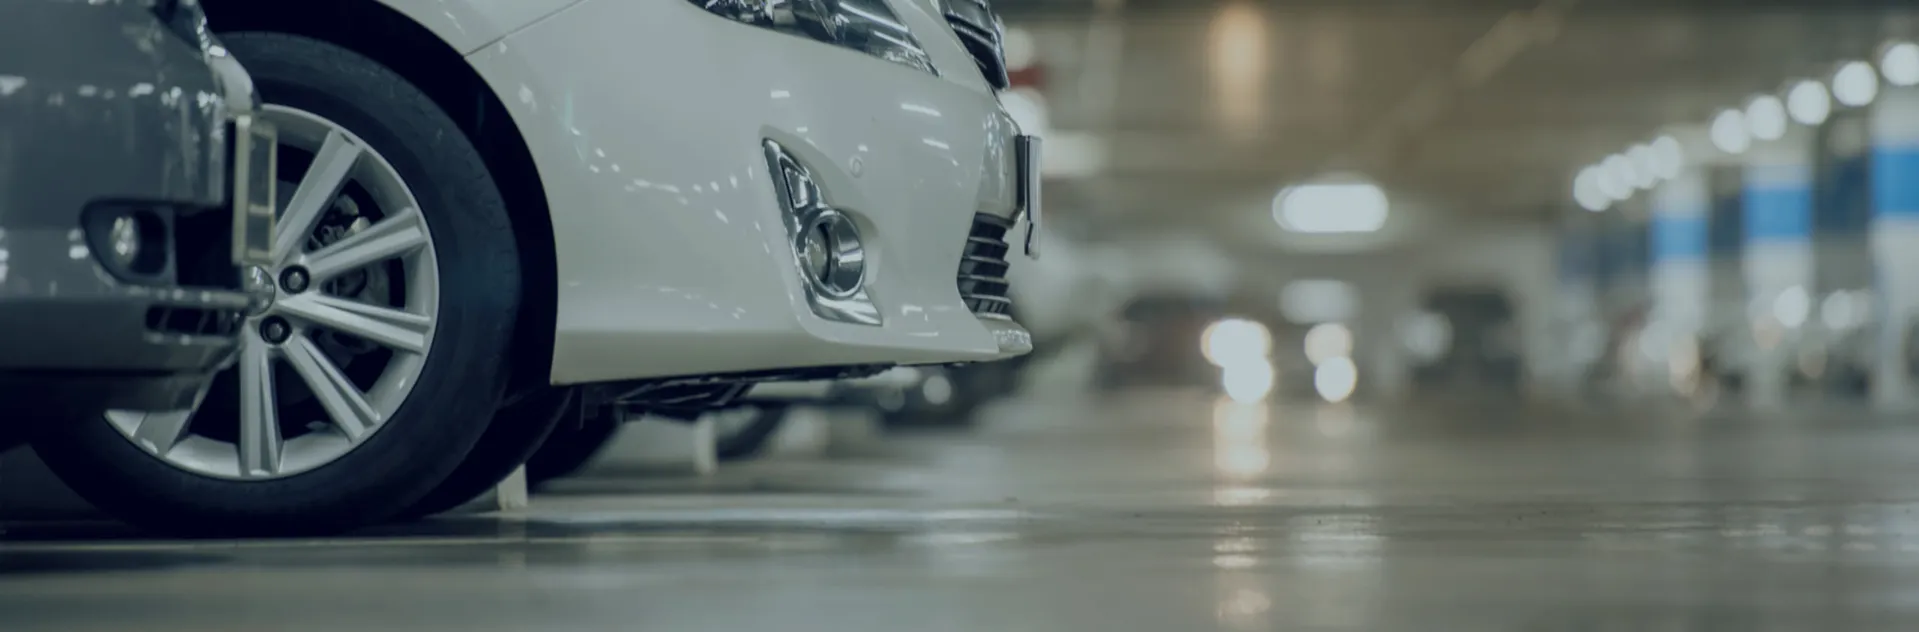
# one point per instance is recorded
(1842, 260)
(1679, 273)
(1623, 294)
(1895, 238)
(1578, 329)
(1777, 207)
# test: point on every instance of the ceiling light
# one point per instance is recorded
(1667, 158)
(1326, 341)
(1808, 102)
(1855, 84)
(1900, 64)
(1766, 117)
(1644, 171)
(1586, 191)
(1616, 177)
(1335, 379)
(1729, 132)
(1331, 206)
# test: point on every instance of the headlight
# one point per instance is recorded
(868, 26)
(1235, 341)
(186, 20)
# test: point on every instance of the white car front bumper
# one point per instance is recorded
(818, 390)
(646, 121)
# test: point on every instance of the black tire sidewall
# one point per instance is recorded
(517, 431)
(462, 378)
(569, 447)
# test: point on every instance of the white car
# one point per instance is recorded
(497, 210)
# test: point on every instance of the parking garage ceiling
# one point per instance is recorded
(1484, 108)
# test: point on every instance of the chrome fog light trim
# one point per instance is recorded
(828, 250)
(833, 257)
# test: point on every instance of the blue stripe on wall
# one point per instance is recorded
(1577, 254)
(1726, 232)
(1895, 181)
(1778, 213)
(1843, 206)
(1678, 237)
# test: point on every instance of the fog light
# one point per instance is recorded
(123, 240)
(129, 241)
(831, 254)
(828, 252)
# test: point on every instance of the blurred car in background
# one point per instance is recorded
(1836, 349)
(1158, 339)
(131, 193)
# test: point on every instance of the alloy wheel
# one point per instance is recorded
(334, 354)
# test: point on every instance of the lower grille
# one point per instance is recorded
(188, 321)
(203, 249)
(982, 271)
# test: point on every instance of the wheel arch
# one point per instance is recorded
(417, 54)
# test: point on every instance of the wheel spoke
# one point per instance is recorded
(343, 401)
(322, 182)
(397, 234)
(394, 329)
(260, 443)
(158, 432)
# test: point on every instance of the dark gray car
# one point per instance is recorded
(131, 173)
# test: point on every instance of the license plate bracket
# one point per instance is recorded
(1027, 152)
(256, 148)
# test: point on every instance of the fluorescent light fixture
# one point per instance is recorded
(1336, 379)
(1855, 84)
(1808, 102)
(1234, 341)
(1331, 206)
(1729, 132)
(1616, 177)
(1668, 158)
(1766, 117)
(1900, 64)
(1249, 382)
(1643, 172)
(1586, 191)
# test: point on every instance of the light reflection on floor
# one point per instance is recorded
(1150, 512)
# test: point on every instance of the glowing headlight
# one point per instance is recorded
(1235, 341)
(123, 240)
(867, 26)
(1248, 382)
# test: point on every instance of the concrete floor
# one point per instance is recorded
(1151, 513)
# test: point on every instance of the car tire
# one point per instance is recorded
(572, 445)
(518, 430)
(460, 378)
